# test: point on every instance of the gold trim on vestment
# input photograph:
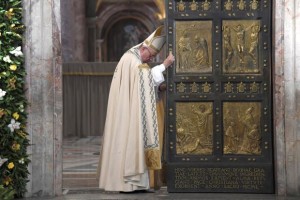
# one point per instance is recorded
(153, 159)
(151, 46)
(143, 66)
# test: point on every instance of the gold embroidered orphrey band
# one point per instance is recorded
(152, 157)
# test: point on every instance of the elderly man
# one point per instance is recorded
(131, 144)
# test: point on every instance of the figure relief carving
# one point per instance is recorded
(231, 139)
(241, 4)
(240, 42)
(254, 42)
(254, 87)
(201, 52)
(193, 49)
(206, 87)
(181, 87)
(181, 6)
(241, 87)
(228, 50)
(194, 124)
(254, 5)
(193, 6)
(194, 87)
(206, 5)
(184, 48)
(228, 5)
(241, 122)
(228, 87)
(241, 46)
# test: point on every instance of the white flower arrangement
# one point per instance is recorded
(21, 161)
(2, 94)
(17, 52)
(21, 108)
(14, 125)
(12, 114)
(7, 59)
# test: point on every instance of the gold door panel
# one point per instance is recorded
(194, 128)
(241, 128)
(193, 46)
(218, 135)
(240, 46)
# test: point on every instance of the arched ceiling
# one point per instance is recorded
(159, 3)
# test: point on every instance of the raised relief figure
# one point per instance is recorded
(241, 128)
(206, 5)
(201, 53)
(181, 6)
(254, 42)
(240, 43)
(250, 133)
(228, 5)
(203, 113)
(228, 50)
(254, 5)
(194, 6)
(231, 139)
(194, 128)
(254, 138)
(186, 141)
(184, 47)
(194, 46)
(241, 5)
(241, 46)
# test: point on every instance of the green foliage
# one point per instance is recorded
(6, 193)
(13, 135)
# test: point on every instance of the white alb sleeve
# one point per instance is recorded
(157, 74)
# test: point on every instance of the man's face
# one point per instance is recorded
(147, 54)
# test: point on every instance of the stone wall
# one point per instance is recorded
(42, 48)
(286, 96)
(74, 33)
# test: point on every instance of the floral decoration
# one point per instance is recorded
(13, 135)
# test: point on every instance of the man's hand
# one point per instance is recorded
(169, 60)
(162, 87)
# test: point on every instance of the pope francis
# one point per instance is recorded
(131, 143)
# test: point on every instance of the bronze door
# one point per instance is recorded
(219, 98)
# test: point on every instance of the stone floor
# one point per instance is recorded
(80, 160)
(162, 194)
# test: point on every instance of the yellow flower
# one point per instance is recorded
(16, 115)
(13, 67)
(10, 165)
(7, 180)
(13, 25)
(15, 146)
(9, 13)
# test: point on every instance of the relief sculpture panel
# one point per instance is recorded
(219, 96)
(194, 127)
(241, 128)
(193, 46)
(240, 46)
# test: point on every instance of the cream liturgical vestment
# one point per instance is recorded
(131, 144)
